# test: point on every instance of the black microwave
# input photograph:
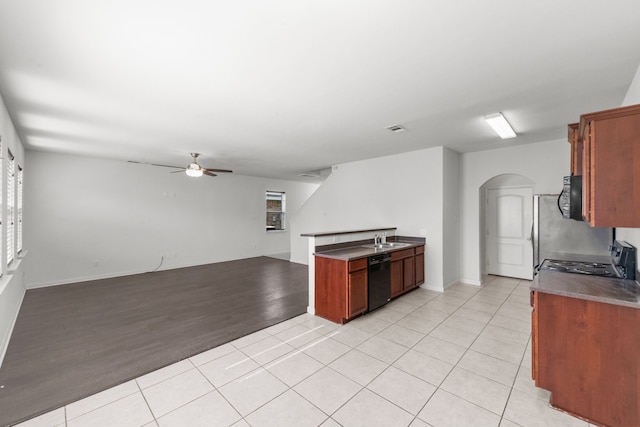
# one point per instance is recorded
(570, 200)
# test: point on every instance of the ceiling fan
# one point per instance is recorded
(194, 169)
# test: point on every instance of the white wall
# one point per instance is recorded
(88, 218)
(631, 235)
(451, 218)
(12, 289)
(403, 190)
(544, 163)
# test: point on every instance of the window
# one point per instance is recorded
(11, 202)
(275, 211)
(19, 225)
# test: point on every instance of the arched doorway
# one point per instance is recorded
(505, 226)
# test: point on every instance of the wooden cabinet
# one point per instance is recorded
(397, 278)
(357, 295)
(534, 335)
(340, 288)
(419, 263)
(407, 270)
(586, 354)
(576, 149)
(610, 166)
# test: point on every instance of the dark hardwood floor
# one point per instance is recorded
(74, 340)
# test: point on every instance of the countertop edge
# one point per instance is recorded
(337, 233)
(598, 289)
(363, 252)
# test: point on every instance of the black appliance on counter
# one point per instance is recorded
(623, 263)
(379, 285)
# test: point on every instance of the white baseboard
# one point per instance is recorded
(432, 287)
(84, 279)
(5, 340)
(471, 282)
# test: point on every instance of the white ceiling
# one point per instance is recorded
(276, 88)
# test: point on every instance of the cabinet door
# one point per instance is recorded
(331, 283)
(576, 149)
(610, 167)
(357, 293)
(614, 196)
(419, 266)
(409, 273)
(534, 337)
(586, 173)
(397, 278)
(587, 357)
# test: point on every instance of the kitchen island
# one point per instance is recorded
(586, 345)
(342, 276)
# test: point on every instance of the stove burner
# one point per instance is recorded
(556, 268)
(596, 271)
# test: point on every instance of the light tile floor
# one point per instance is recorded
(458, 358)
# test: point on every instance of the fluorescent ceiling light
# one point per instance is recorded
(500, 125)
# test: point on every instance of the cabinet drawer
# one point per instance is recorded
(402, 254)
(358, 264)
(419, 250)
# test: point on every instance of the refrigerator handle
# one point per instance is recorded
(530, 238)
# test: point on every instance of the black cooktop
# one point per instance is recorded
(623, 263)
(579, 267)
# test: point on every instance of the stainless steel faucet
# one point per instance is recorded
(376, 239)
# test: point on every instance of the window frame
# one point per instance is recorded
(11, 205)
(19, 210)
(275, 195)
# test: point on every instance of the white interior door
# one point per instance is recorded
(509, 219)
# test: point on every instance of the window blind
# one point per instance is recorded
(11, 201)
(19, 223)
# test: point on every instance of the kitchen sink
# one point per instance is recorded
(389, 245)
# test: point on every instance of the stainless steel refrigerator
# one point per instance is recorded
(557, 238)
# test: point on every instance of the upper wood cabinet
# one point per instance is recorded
(610, 167)
(576, 149)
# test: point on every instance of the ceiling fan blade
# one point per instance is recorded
(208, 172)
(167, 166)
(217, 170)
(180, 171)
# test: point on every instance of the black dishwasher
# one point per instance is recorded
(379, 280)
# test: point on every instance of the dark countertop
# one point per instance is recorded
(593, 288)
(355, 250)
(337, 233)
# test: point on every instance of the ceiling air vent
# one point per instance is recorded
(395, 128)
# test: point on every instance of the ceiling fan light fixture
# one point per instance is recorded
(194, 170)
(500, 125)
